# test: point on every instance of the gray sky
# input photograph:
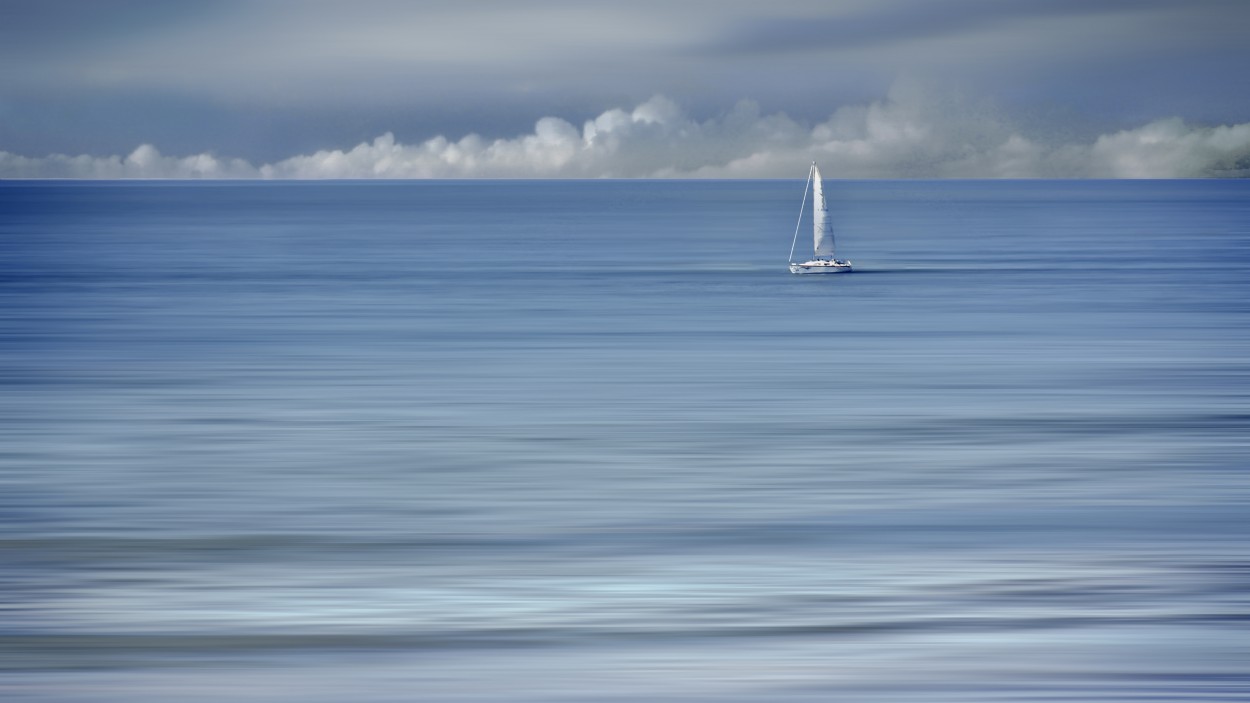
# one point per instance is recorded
(253, 83)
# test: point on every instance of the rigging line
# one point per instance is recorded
(798, 224)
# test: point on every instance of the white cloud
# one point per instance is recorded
(144, 162)
(1170, 148)
(910, 134)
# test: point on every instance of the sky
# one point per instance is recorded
(637, 88)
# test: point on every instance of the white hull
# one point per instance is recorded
(821, 266)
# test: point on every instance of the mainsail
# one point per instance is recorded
(822, 228)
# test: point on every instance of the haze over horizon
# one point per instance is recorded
(554, 88)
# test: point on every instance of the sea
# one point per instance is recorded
(590, 441)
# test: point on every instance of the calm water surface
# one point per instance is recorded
(589, 441)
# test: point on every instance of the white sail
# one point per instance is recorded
(822, 228)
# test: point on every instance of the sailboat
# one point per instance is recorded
(822, 232)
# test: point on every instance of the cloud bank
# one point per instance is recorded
(907, 135)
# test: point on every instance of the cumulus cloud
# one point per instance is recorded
(144, 162)
(910, 134)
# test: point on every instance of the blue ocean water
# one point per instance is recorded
(590, 441)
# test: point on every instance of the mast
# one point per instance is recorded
(822, 227)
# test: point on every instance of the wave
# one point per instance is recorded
(91, 650)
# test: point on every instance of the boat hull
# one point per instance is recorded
(821, 266)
